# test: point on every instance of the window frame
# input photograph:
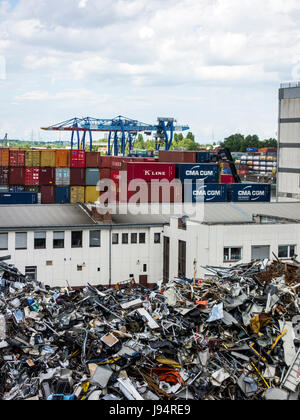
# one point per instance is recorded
(58, 247)
(159, 235)
(142, 242)
(4, 233)
(90, 244)
(230, 259)
(126, 241)
(289, 256)
(115, 235)
(76, 246)
(16, 235)
(37, 239)
(136, 236)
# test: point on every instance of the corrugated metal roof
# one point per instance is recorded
(66, 215)
(23, 216)
(232, 213)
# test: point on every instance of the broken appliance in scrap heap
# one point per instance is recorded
(234, 335)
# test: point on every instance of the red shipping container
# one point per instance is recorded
(77, 159)
(17, 158)
(227, 179)
(177, 156)
(77, 177)
(47, 194)
(156, 196)
(105, 161)
(47, 176)
(150, 171)
(105, 173)
(116, 162)
(32, 176)
(92, 159)
(17, 176)
(115, 176)
(4, 176)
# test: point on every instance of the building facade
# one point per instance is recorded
(65, 246)
(288, 180)
(228, 235)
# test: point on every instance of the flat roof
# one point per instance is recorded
(235, 213)
(68, 216)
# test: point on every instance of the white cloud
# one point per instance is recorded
(86, 50)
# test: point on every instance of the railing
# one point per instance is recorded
(289, 85)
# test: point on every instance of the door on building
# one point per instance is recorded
(260, 252)
(181, 259)
(143, 281)
(166, 268)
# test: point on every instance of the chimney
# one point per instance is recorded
(101, 218)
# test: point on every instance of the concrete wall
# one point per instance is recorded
(125, 259)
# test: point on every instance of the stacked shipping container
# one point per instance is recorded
(63, 176)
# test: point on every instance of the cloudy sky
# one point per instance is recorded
(214, 64)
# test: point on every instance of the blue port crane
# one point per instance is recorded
(122, 132)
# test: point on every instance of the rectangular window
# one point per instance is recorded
(145, 268)
(95, 238)
(125, 238)
(157, 238)
(77, 239)
(232, 254)
(115, 238)
(21, 240)
(134, 238)
(181, 259)
(142, 238)
(286, 251)
(58, 240)
(31, 272)
(3, 241)
(39, 240)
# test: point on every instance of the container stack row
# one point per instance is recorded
(64, 176)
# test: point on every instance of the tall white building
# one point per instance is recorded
(288, 180)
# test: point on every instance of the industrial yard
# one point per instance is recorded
(149, 203)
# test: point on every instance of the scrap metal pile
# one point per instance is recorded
(234, 335)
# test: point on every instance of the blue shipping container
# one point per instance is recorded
(16, 189)
(208, 193)
(202, 157)
(250, 193)
(62, 195)
(18, 198)
(92, 176)
(206, 172)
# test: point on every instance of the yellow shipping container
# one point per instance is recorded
(77, 195)
(91, 194)
(32, 158)
(48, 159)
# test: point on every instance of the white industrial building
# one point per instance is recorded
(64, 245)
(227, 234)
(288, 180)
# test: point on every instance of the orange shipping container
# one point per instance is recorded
(4, 157)
(48, 159)
(63, 158)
